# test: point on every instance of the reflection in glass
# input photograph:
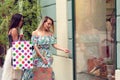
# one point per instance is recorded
(95, 28)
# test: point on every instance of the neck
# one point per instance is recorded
(44, 30)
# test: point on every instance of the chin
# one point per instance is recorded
(47, 30)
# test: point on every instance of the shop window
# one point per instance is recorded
(94, 39)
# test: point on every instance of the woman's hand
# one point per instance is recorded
(60, 48)
(66, 51)
(44, 60)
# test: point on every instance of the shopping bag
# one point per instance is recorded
(22, 57)
(41, 73)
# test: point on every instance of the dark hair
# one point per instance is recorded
(15, 20)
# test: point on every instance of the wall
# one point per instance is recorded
(118, 32)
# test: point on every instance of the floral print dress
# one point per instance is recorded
(43, 43)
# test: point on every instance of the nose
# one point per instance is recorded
(49, 26)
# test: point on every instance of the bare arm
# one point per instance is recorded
(34, 33)
(14, 34)
(38, 52)
(60, 48)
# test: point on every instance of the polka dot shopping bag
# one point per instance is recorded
(22, 57)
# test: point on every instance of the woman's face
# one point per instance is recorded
(47, 25)
(21, 23)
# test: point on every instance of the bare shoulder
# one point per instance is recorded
(14, 30)
(35, 33)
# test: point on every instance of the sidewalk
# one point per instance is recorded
(86, 76)
(80, 76)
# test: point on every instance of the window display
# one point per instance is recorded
(94, 38)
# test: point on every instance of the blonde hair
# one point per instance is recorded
(43, 20)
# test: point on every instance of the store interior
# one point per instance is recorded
(95, 39)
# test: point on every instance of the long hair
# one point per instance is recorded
(45, 20)
(15, 20)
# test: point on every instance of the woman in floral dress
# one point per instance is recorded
(42, 39)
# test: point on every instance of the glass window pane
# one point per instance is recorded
(94, 37)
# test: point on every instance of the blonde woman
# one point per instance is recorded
(42, 38)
